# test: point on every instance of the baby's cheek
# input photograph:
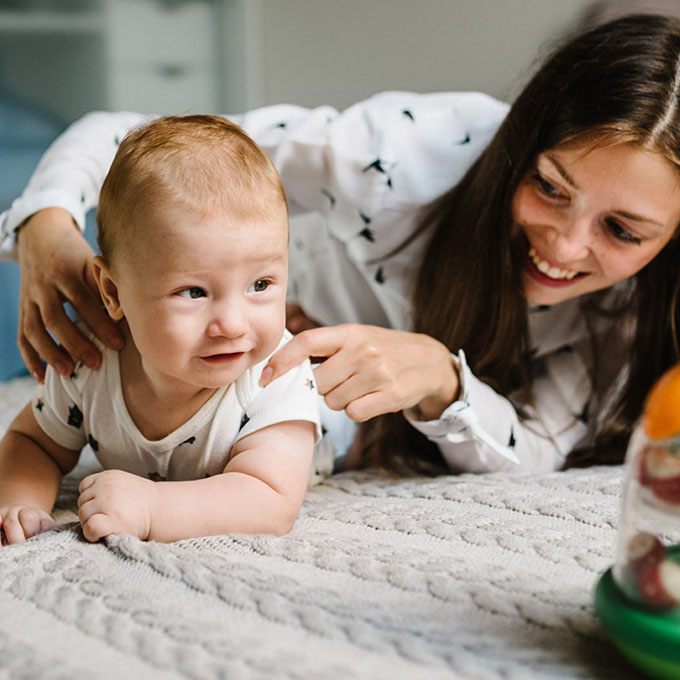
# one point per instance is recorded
(269, 336)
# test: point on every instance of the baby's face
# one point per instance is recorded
(204, 295)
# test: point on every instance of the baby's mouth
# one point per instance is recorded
(222, 358)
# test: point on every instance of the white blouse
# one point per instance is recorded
(365, 174)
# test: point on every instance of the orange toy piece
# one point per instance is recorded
(661, 418)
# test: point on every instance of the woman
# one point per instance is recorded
(539, 240)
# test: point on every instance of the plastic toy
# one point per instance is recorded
(638, 600)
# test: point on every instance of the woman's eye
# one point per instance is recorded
(193, 293)
(259, 286)
(546, 187)
(620, 233)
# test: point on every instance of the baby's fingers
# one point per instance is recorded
(14, 532)
(95, 526)
(87, 482)
(34, 521)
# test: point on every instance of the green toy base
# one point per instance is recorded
(651, 665)
(650, 640)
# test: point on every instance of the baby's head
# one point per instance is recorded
(193, 232)
(197, 163)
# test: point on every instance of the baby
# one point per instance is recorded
(193, 233)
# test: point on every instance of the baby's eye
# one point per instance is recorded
(259, 286)
(193, 293)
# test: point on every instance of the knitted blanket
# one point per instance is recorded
(480, 577)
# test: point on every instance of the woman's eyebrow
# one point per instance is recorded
(639, 218)
(560, 168)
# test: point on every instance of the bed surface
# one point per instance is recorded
(478, 577)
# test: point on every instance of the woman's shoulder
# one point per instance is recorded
(448, 119)
(473, 102)
(424, 143)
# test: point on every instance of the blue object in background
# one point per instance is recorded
(26, 130)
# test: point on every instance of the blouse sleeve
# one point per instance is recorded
(70, 173)
(483, 432)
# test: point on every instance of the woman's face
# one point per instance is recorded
(592, 217)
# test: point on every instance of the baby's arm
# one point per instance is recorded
(31, 467)
(260, 491)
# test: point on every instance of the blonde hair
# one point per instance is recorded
(197, 162)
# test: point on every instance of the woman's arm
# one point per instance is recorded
(71, 171)
(369, 371)
(55, 264)
(482, 431)
(53, 255)
(260, 491)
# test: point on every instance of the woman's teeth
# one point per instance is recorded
(550, 271)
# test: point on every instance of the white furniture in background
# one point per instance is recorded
(153, 56)
(162, 56)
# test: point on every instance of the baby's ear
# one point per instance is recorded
(107, 288)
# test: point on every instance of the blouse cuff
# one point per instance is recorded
(459, 422)
(23, 207)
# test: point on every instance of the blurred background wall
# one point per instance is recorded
(62, 58)
(230, 55)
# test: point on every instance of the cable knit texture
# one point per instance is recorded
(481, 577)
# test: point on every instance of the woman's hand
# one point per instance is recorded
(55, 264)
(369, 370)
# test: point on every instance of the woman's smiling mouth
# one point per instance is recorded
(549, 275)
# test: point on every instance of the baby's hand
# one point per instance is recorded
(19, 522)
(115, 502)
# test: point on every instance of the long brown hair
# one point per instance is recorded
(616, 83)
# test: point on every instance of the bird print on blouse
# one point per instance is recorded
(75, 417)
(329, 196)
(367, 234)
(384, 168)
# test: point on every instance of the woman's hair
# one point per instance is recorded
(617, 83)
(197, 162)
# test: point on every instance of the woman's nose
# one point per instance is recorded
(572, 239)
